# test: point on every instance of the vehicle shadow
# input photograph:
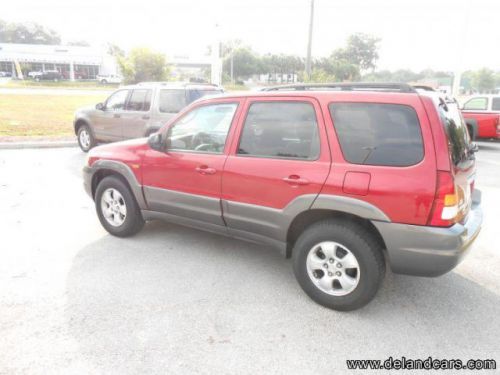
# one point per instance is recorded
(177, 298)
(489, 144)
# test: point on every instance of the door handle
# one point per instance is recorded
(295, 180)
(146, 117)
(116, 115)
(203, 169)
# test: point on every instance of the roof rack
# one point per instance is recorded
(423, 87)
(344, 86)
(176, 83)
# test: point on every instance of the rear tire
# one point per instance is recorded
(351, 271)
(86, 139)
(117, 208)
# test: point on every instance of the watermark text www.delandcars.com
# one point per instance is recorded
(429, 363)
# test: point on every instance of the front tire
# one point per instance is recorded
(338, 264)
(86, 139)
(117, 208)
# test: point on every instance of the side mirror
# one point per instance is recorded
(155, 141)
(99, 106)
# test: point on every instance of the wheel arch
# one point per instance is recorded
(79, 123)
(307, 218)
(104, 168)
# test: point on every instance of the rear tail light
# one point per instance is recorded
(498, 125)
(445, 209)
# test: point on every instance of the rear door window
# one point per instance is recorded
(140, 100)
(172, 101)
(287, 130)
(378, 134)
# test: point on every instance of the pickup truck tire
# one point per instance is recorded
(339, 264)
(117, 208)
(103, 81)
(85, 137)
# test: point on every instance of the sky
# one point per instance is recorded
(415, 34)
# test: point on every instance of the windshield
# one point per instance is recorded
(456, 130)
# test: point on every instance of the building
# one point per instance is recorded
(81, 63)
(73, 62)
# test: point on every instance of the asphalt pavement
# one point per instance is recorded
(75, 300)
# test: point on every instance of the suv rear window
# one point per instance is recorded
(456, 130)
(172, 101)
(195, 94)
(378, 134)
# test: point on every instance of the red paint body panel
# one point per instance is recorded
(404, 194)
(259, 181)
(130, 152)
(186, 172)
(487, 123)
(356, 183)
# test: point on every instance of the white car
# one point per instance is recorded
(35, 74)
(109, 78)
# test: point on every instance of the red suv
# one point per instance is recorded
(344, 178)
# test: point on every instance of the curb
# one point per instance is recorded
(22, 145)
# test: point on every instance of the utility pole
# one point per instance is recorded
(215, 71)
(461, 47)
(232, 71)
(309, 42)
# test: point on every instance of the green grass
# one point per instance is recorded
(41, 115)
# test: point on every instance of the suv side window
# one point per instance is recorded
(117, 100)
(286, 130)
(171, 100)
(378, 134)
(203, 129)
(140, 100)
(478, 104)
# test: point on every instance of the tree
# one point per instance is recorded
(245, 63)
(142, 64)
(283, 64)
(361, 50)
(30, 33)
(337, 69)
(483, 80)
(115, 50)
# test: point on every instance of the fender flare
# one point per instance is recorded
(123, 170)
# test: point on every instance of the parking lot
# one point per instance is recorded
(74, 299)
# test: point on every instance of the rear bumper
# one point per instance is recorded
(430, 251)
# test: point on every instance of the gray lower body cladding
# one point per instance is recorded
(429, 251)
(411, 249)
